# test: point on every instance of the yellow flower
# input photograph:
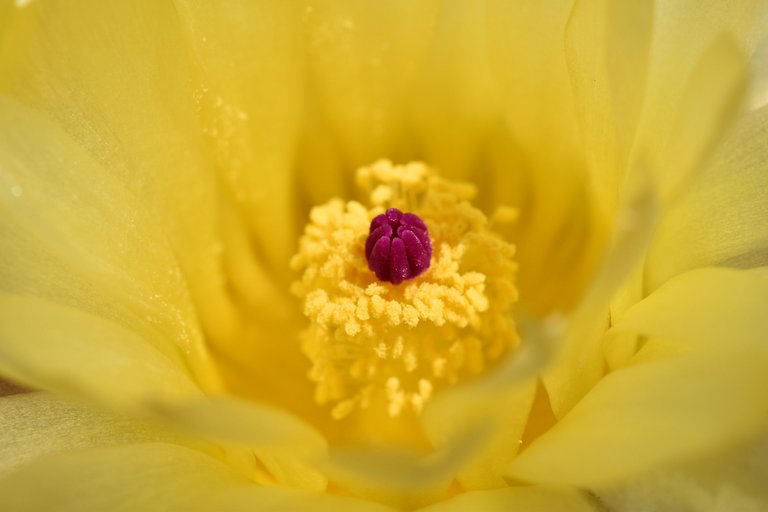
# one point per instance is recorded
(185, 192)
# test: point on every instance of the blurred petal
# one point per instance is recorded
(696, 75)
(734, 480)
(455, 103)
(545, 165)
(124, 90)
(283, 443)
(47, 346)
(528, 499)
(580, 363)
(74, 234)
(145, 476)
(363, 56)
(251, 104)
(709, 102)
(527, 56)
(645, 416)
(274, 499)
(720, 219)
(35, 424)
(495, 409)
(149, 476)
(607, 47)
(502, 410)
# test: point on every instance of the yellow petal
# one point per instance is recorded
(285, 444)
(251, 105)
(124, 89)
(607, 46)
(75, 235)
(528, 59)
(275, 499)
(47, 346)
(483, 420)
(714, 307)
(528, 499)
(709, 102)
(150, 476)
(504, 413)
(455, 104)
(643, 417)
(363, 57)
(541, 168)
(579, 363)
(697, 55)
(734, 480)
(720, 220)
(35, 424)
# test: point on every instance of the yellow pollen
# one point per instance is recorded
(375, 344)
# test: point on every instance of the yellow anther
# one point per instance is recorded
(372, 343)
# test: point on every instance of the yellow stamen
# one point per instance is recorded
(375, 344)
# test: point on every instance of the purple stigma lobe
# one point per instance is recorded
(398, 246)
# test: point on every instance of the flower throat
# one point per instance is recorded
(401, 305)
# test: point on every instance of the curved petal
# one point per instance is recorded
(454, 104)
(720, 220)
(539, 165)
(731, 481)
(693, 82)
(58, 348)
(249, 57)
(284, 444)
(714, 307)
(363, 57)
(607, 45)
(652, 414)
(133, 477)
(529, 499)
(74, 234)
(36, 424)
(118, 80)
(580, 362)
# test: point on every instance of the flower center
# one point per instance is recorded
(398, 246)
(387, 327)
